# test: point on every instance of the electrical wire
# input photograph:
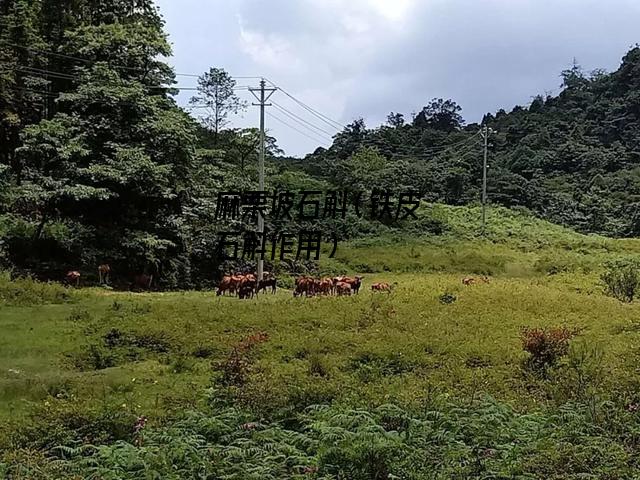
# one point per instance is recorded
(324, 118)
(303, 123)
(321, 142)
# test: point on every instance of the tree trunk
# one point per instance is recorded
(38, 232)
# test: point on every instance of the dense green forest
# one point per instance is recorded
(98, 163)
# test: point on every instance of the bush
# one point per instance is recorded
(447, 298)
(234, 370)
(546, 345)
(68, 422)
(622, 279)
(318, 366)
(26, 291)
(94, 357)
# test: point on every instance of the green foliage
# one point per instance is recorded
(216, 94)
(485, 440)
(104, 167)
(622, 279)
(26, 291)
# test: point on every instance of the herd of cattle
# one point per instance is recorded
(340, 286)
(246, 285)
(141, 281)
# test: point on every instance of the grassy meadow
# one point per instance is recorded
(78, 367)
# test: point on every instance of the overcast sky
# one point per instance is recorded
(365, 58)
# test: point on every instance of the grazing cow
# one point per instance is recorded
(324, 286)
(269, 282)
(381, 287)
(304, 285)
(225, 285)
(143, 281)
(236, 280)
(355, 282)
(246, 290)
(73, 277)
(247, 281)
(468, 281)
(343, 288)
(104, 271)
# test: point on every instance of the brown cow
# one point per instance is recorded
(224, 285)
(468, 281)
(104, 271)
(235, 282)
(381, 287)
(343, 288)
(72, 277)
(304, 285)
(355, 282)
(247, 282)
(325, 286)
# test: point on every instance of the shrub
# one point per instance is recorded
(546, 345)
(622, 279)
(67, 422)
(235, 369)
(318, 366)
(94, 357)
(447, 298)
(182, 364)
(26, 291)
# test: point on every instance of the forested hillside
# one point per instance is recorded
(572, 158)
(98, 163)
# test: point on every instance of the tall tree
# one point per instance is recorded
(216, 93)
(114, 162)
(395, 120)
(441, 115)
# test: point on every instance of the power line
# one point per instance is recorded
(321, 142)
(300, 121)
(429, 156)
(64, 76)
(324, 118)
(195, 75)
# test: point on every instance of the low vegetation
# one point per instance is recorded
(622, 279)
(531, 375)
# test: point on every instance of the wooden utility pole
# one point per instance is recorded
(263, 97)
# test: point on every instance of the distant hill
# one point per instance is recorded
(573, 158)
(515, 242)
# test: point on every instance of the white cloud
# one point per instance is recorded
(350, 58)
(269, 50)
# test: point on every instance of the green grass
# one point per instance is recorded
(73, 360)
(514, 244)
(43, 351)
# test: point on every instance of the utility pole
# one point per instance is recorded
(485, 135)
(264, 95)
